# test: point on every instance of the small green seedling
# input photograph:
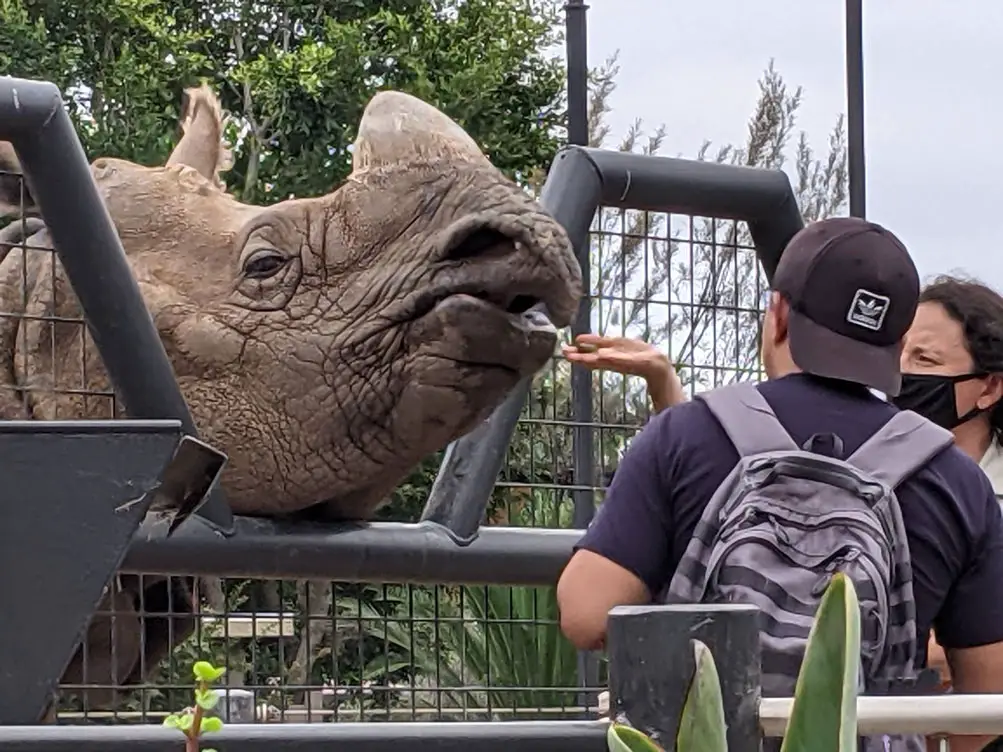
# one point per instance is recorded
(192, 722)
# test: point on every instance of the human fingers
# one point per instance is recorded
(587, 359)
(580, 348)
(593, 340)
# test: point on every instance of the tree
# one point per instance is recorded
(294, 75)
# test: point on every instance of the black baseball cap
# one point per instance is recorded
(853, 291)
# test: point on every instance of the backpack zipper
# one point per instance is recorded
(732, 527)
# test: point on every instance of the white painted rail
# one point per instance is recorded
(931, 715)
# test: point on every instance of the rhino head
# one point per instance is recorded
(326, 344)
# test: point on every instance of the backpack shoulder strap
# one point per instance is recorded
(900, 447)
(748, 419)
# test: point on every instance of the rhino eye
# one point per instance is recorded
(264, 264)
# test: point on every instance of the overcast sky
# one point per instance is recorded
(933, 100)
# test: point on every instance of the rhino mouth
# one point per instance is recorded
(526, 312)
(486, 253)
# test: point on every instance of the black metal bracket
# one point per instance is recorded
(580, 181)
(763, 199)
(75, 494)
(34, 120)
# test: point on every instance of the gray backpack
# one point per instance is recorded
(786, 519)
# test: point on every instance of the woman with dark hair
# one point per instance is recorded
(952, 373)
(952, 367)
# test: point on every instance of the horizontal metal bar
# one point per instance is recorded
(687, 186)
(933, 715)
(930, 715)
(314, 713)
(374, 552)
(90, 427)
(526, 736)
(762, 198)
(33, 119)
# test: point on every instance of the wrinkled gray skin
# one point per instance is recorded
(326, 344)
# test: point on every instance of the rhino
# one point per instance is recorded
(326, 344)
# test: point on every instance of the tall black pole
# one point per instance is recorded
(855, 107)
(581, 379)
(576, 39)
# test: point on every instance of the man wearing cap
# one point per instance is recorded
(843, 297)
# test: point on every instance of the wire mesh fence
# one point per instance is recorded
(322, 651)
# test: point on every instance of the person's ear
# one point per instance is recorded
(992, 392)
(779, 311)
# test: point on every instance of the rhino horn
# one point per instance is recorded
(397, 128)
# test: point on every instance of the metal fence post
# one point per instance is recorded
(576, 49)
(651, 665)
(583, 437)
(581, 378)
(855, 107)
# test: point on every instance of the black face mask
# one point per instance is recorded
(932, 396)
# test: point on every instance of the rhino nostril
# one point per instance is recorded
(479, 243)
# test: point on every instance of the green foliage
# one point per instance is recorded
(294, 75)
(192, 722)
(206, 672)
(824, 714)
(486, 649)
(502, 640)
(622, 738)
(702, 725)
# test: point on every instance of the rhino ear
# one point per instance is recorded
(397, 128)
(13, 198)
(201, 146)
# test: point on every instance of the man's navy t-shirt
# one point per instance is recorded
(952, 518)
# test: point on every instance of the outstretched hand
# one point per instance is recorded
(620, 354)
(632, 357)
